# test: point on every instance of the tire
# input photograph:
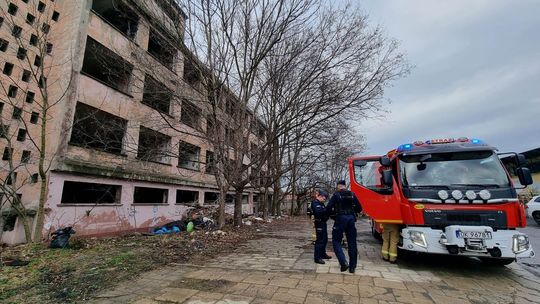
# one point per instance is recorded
(497, 261)
(536, 217)
(374, 232)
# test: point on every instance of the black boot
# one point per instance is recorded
(327, 257)
(344, 268)
(320, 261)
(351, 270)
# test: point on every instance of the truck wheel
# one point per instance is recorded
(497, 262)
(536, 217)
(374, 232)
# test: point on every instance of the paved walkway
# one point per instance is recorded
(278, 268)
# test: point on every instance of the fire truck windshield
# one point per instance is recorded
(481, 169)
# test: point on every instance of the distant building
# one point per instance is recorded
(106, 182)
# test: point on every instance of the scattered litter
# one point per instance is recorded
(60, 238)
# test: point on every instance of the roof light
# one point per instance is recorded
(418, 143)
(405, 147)
(476, 141)
(463, 139)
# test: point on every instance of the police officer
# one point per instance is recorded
(321, 216)
(344, 206)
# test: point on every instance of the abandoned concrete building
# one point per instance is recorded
(114, 165)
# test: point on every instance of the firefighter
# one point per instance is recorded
(390, 238)
(344, 206)
(320, 215)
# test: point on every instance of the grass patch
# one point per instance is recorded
(75, 275)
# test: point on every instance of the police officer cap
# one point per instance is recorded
(342, 182)
(323, 193)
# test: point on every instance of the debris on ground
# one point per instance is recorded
(88, 265)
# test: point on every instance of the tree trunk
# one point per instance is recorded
(238, 208)
(221, 206)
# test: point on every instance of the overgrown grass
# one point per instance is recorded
(75, 275)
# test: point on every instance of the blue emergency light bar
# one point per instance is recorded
(439, 141)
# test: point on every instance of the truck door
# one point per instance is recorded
(380, 202)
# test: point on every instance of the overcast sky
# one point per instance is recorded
(476, 74)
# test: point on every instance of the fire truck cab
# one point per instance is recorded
(451, 196)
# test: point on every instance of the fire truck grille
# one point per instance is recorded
(443, 218)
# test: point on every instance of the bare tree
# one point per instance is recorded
(44, 83)
(319, 80)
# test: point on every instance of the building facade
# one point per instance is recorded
(126, 147)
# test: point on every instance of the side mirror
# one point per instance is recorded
(524, 176)
(521, 160)
(385, 161)
(387, 179)
(359, 162)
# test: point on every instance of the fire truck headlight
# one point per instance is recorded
(470, 194)
(418, 238)
(485, 194)
(520, 243)
(457, 195)
(443, 194)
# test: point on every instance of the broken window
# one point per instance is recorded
(187, 197)
(30, 18)
(144, 195)
(42, 81)
(45, 28)
(7, 153)
(190, 114)
(33, 40)
(191, 73)
(30, 96)
(210, 126)
(8, 68)
(26, 76)
(117, 14)
(3, 45)
(230, 106)
(41, 7)
(21, 135)
(9, 222)
(16, 31)
(211, 198)
(4, 130)
(12, 9)
(153, 146)
(34, 178)
(156, 95)
(17, 113)
(229, 199)
(161, 49)
(97, 129)
(21, 53)
(90, 193)
(37, 60)
(11, 178)
(210, 163)
(188, 157)
(12, 92)
(55, 16)
(34, 117)
(106, 66)
(25, 158)
(49, 48)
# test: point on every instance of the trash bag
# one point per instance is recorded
(189, 227)
(60, 238)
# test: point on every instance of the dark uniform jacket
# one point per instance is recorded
(319, 211)
(343, 202)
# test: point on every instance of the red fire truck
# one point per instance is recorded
(451, 196)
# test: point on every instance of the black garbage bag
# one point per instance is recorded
(60, 238)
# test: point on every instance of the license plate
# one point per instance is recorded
(473, 234)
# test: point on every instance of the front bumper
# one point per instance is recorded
(447, 241)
